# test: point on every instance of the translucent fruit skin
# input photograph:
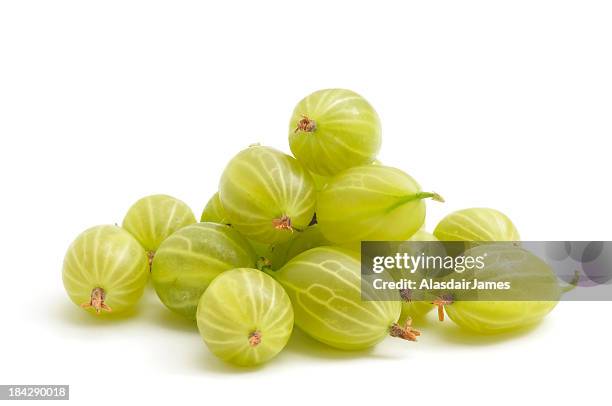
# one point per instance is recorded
(347, 131)
(110, 258)
(324, 285)
(476, 224)
(154, 218)
(260, 186)
(367, 203)
(527, 272)
(187, 262)
(214, 211)
(239, 303)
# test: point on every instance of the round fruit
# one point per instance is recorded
(267, 194)
(105, 269)
(372, 202)
(214, 211)
(245, 317)
(476, 224)
(324, 285)
(154, 218)
(188, 261)
(528, 276)
(332, 130)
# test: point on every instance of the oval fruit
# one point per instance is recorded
(105, 270)
(324, 285)
(188, 261)
(245, 317)
(334, 129)
(267, 194)
(372, 202)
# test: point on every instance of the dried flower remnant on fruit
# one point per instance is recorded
(254, 338)
(282, 223)
(306, 125)
(97, 301)
(440, 303)
(406, 295)
(407, 332)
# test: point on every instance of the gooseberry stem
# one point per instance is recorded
(150, 256)
(306, 125)
(440, 303)
(254, 338)
(97, 301)
(416, 196)
(407, 332)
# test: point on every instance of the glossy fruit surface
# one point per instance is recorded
(187, 262)
(476, 224)
(245, 317)
(214, 211)
(105, 270)
(528, 275)
(154, 218)
(267, 195)
(334, 129)
(324, 285)
(372, 202)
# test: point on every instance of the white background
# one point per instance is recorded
(490, 103)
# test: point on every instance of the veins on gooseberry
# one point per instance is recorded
(254, 338)
(97, 301)
(306, 125)
(440, 303)
(407, 332)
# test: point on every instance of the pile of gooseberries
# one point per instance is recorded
(279, 244)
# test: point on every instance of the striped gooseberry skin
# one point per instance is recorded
(154, 218)
(245, 317)
(324, 285)
(187, 262)
(526, 273)
(476, 224)
(214, 211)
(108, 259)
(267, 194)
(334, 129)
(371, 202)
